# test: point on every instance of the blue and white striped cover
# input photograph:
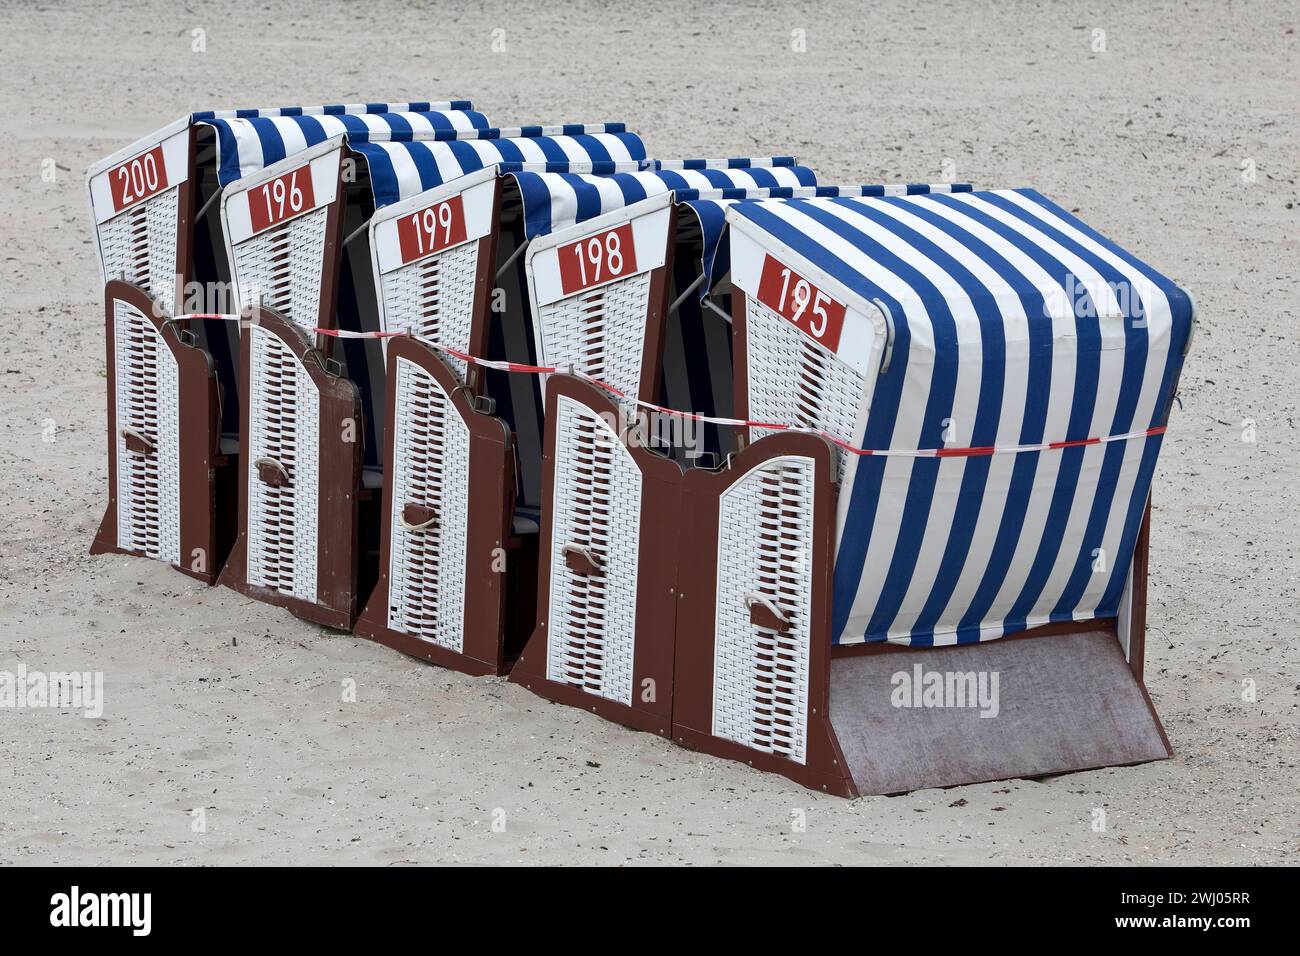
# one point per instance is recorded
(711, 213)
(251, 140)
(755, 164)
(400, 169)
(332, 109)
(554, 200)
(995, 298)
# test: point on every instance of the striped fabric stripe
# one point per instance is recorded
(393, 135)
(205, 116)
(222, 120)
(399, 170)
(556, 200)
(1014, 324)
(658, 165)
(248, 143)
(711, 210)
(735, 162)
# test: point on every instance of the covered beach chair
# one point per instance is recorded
(986, 380)
(292, 232)
(612, 480)
(462, 457)
(151, 205)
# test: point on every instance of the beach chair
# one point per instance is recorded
(986, 380)
(292, 231)
(150, 205)
(607, 298)
(460, 519)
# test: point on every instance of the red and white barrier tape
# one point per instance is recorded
(976, 452)
(521, 368)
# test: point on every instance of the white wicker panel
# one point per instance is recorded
(139, 245)
(148, 402)
(284, 424)
(426, 571)
(282, 268)
(794, 379)
(600, 332)
(760, 676)
(597, 506)
(433, 299)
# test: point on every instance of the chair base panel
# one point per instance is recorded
(106, 543)
(530, 672)
(232, 576)
(424, 650)
(832, 778)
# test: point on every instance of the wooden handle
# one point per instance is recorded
(272, 472)
(579, 559)
(136, 442)
(418, 517)
(764, 613)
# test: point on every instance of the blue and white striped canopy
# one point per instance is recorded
(403, 168)
(251, 140)
(711, 214)
(332, 109)
(555, 200)
(1014, 324)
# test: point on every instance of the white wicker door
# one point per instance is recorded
(430, 504)
(762, 624)
(147, 443)
(595, 542)
(283, 468)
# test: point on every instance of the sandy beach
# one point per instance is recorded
(1173, 129)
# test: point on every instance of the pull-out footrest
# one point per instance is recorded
(1025, 706)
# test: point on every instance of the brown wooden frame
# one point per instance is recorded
(656, 323)
(657, 559)
(490, 511)
(202, 469)
(824, 767)
(339, 484)
(739, 363)
(332, 263)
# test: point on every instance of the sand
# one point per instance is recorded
(220, 703)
